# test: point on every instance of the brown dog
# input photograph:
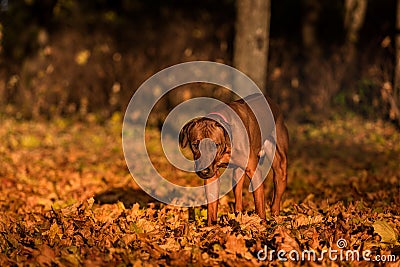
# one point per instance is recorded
(210, 138)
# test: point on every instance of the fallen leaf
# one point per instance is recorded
(386, 232)
(235, 245)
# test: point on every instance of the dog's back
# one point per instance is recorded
(254, 112)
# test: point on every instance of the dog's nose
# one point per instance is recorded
(205, 172)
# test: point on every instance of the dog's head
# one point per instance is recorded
(210, 145)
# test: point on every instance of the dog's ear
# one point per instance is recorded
(184, 133)
(225, 127)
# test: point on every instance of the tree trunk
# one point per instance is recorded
(313, 87)
(252, 39)
(312, 10)
(395, 103)
(354, 17)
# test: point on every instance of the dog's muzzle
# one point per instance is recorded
(204, 163)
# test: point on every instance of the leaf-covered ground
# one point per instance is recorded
(68, 199)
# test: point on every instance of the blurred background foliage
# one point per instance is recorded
(69, 57)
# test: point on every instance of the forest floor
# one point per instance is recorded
(68, 199)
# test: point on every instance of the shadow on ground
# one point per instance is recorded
(128, 196)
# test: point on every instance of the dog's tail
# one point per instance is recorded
(267, 150)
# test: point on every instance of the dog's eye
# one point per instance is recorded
(195, 145)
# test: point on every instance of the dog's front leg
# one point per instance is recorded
(212, 194)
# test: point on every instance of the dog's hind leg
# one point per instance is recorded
(256, 186)
(237, 183)
(279, 166)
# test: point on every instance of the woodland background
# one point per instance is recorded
(69, 57)
(68, 69)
